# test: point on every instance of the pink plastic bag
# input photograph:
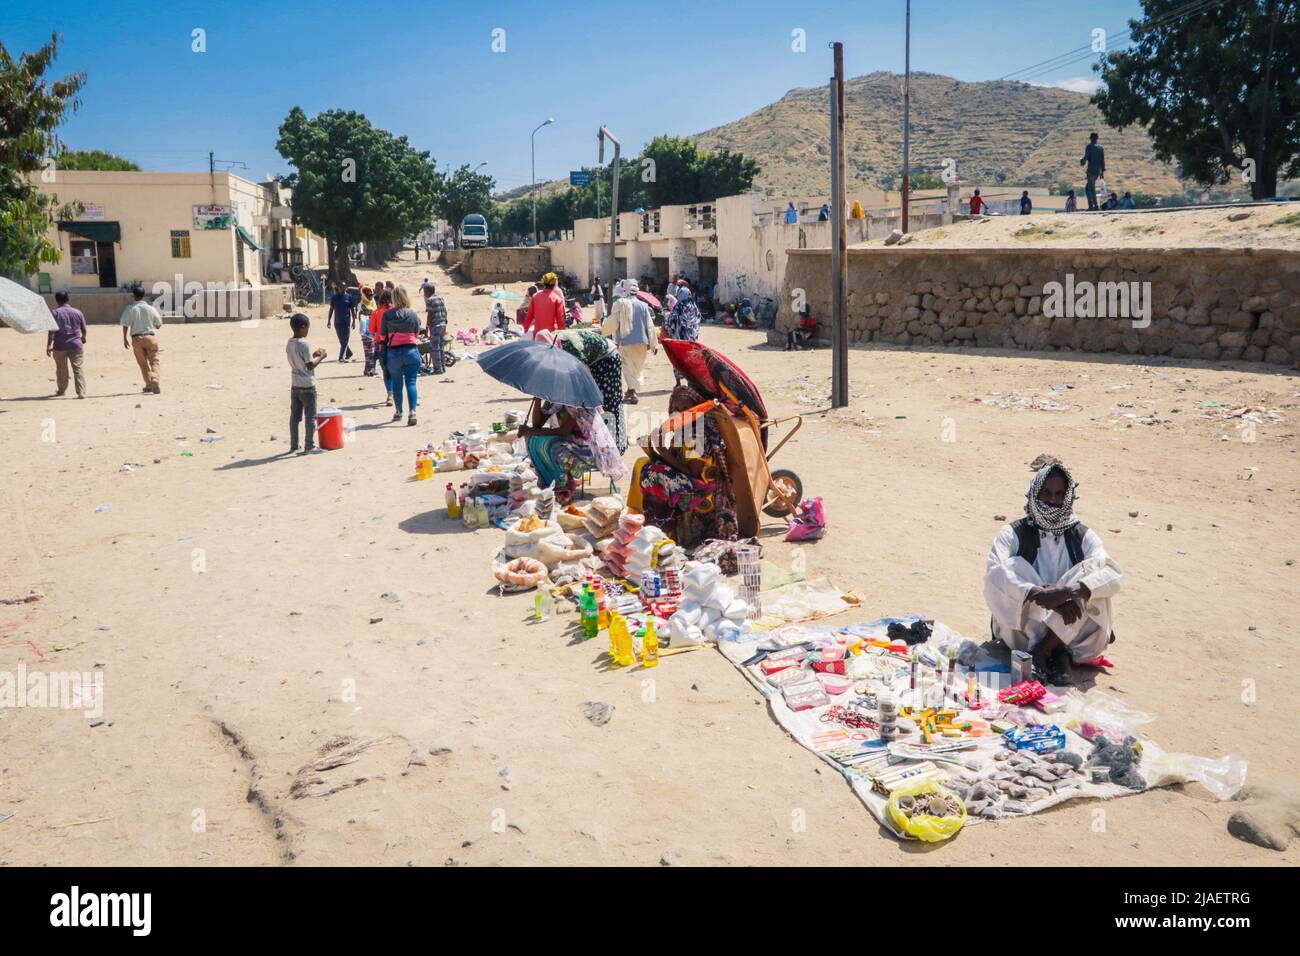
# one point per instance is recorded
(809, 523)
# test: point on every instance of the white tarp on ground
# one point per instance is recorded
(1222, 777)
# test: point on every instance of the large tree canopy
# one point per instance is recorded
(356, 183)
(1217, 89)
(670, 171)
(31, 108)
(465, 192)
(94, 160)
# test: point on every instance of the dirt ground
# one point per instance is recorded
(1275, 226)
(234, 602)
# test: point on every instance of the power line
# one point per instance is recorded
(1070, 57)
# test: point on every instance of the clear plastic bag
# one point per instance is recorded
(1222, 776)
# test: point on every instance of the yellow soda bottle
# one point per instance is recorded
(625, 657)
(616, 625)
(650, 646)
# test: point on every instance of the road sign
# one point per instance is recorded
(580, 177)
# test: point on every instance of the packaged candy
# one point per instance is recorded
(804, 695)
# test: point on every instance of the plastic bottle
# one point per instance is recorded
(613, 638)
(543, 604)
(623, 639)
(649, 645)
(484, 520)
(602, 608)
(453, 502)
(590, 616)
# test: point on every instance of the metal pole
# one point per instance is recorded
(613, 201)
(839, 237)
(907, 95)
(532, 190)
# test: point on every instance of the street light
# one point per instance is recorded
(533, 189)
(480, 165)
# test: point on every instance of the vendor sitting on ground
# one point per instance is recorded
(803, 332)
(1049, 580)
(563, 452)
(683, 486)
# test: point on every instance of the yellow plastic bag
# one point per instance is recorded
(923, 826)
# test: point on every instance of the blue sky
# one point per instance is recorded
(427, 69)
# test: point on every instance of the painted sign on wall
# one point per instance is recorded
(213, 217)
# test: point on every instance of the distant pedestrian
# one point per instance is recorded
(366, 308)
(1112, 201)
(340, 316)
(302, 390)
(383, 304)
(141, 322)
(1026, 204)
(1071, 202)
(546, 308)
(791, 214)
(1094, 158)
(598, 298)
(435, 313)
(857, 213)
(631, 325)
(400, 330)
(65, 345)
(976, 204)
(1128, 202)
(824, 213)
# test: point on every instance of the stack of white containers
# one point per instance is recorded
(710, 609)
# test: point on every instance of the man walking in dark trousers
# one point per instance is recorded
(1094, 157)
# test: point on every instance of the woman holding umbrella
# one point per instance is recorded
(603, 360)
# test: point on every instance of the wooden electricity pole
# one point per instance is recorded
(839, 240)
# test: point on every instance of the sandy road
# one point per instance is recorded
(228, 599)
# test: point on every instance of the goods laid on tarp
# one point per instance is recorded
(930, 744)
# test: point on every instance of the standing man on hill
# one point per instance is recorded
(1094, 157)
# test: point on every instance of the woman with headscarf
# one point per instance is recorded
(606, 366)
(576, 443)
(683, 322)
(683, 485)
(1049, 581)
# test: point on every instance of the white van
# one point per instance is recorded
(473, 232)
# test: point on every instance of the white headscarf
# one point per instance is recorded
(1043, 516)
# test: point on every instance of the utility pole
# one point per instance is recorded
(613, 201)
(907, 95)
(532, 191)
(839, 240)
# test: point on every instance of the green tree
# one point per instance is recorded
(1216, 90)
(31, 108)
(94, 160)
(465, 192)
(355, 183)
(925, 181)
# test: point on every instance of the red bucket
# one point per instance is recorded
(329, 428)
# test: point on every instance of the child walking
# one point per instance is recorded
(366, 308)
(302, 394)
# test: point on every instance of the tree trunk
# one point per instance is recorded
(341, 265)
(373, 257)
(1265, 184)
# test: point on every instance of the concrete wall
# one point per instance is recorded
(1205, 303)
(105, 306)
(505, 264)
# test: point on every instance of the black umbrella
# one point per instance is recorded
(543, 371)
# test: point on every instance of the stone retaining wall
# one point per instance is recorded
(500, 263)
(1204, 303)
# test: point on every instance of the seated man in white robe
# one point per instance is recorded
(1049, 581)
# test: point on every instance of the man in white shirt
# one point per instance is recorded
(140, 324)
(1049, 581)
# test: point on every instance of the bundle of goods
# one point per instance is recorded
(602, 519)
(619, 548)
(474, 446)
(723, 553)
(710, 609)
(519, 574)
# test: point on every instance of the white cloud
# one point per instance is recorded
(1075, 84)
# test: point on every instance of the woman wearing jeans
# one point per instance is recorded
(400, 329)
